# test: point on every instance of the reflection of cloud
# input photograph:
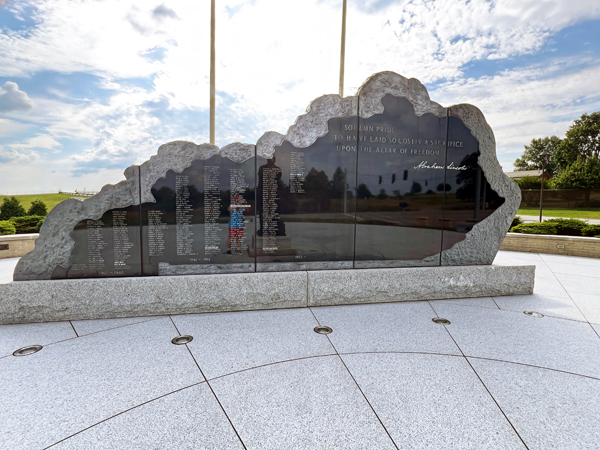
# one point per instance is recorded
(12, 99)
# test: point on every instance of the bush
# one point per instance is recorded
(27, 224)
(11, 207)
(535, 228)
(567, 227)
(532, 183)
(591, 231)
(37, 208)
(6, 227)
(516, 221)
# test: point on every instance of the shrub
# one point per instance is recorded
(6, 227)
(591, 230)
(535, 228)
(11, 207)
(567, 227)
(27, 224)
(532, 183)
(37, 208)
(516, 221)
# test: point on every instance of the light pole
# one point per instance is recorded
(343, 50)
(543, 157)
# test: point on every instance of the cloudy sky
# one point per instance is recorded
(89, 87)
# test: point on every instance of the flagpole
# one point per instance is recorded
(212, 72)
(343, 50)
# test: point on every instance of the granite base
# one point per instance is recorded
(105, 298)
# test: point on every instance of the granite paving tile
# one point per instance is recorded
(431, 402)
(485, 302)
(547, 305)
(228, 342)
(519, 256)
(549, 286)
(570, 260)
(13, 337)
(512, 336)
(84, 327)
(549, 409)
(575, 269)
(386, 327)
(580, 284)
(74, 384)
(188, 419)
(303, 404)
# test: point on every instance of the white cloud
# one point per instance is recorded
(40, 141)
(274, 57)
(12, 99)
(12, 156)
(9, 127)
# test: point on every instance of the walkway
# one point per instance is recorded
(387, 377)
(525, 218)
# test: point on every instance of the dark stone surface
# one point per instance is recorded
(190, 222)
(107, 247)
(469, 198)
(392, 190)
(306, 215)
(401, 160)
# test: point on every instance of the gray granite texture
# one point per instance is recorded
(83, 327)
(482, 243)
(13, 337)
(229, 342)
(187, 419)
(303, 404)
(108, 298)
(550, 410)
(99, 298)
(387, 327)
(424, 283)
(559, 344)
(195, 269)
(53, 247)
(436, 403)
(81, 382)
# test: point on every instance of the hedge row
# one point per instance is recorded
(561, 227)
(21, 225)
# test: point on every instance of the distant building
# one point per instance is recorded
(527, 173)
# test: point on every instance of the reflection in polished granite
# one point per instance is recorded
(528, 382)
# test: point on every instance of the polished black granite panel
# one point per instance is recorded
(399, 212)
(305, 201)
(469, 197)
(107, 247)
(202, 221)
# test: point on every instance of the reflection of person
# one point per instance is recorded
(236, 226)
(272, 186)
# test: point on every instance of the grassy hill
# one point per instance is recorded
(51, 200)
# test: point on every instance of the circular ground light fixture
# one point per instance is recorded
(440, 321)
(533, 314)
(323, 330)
(29, 350)
(183, 339)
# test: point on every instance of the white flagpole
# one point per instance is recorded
(343, 50)
(212, 72)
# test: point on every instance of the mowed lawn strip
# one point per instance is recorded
(51, 200)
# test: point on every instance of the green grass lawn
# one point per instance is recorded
(51, 200)
(570, 213)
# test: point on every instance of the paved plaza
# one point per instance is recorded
(387, 377)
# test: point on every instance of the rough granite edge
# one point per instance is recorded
(482, 243)
(54, 245)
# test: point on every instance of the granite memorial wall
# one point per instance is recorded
(386, 178)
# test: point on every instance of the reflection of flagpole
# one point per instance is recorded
(212, 72)
(343, 50)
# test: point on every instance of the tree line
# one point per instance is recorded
(573, 162)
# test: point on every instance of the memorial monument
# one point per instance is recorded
(385, 178)
(381, 196)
